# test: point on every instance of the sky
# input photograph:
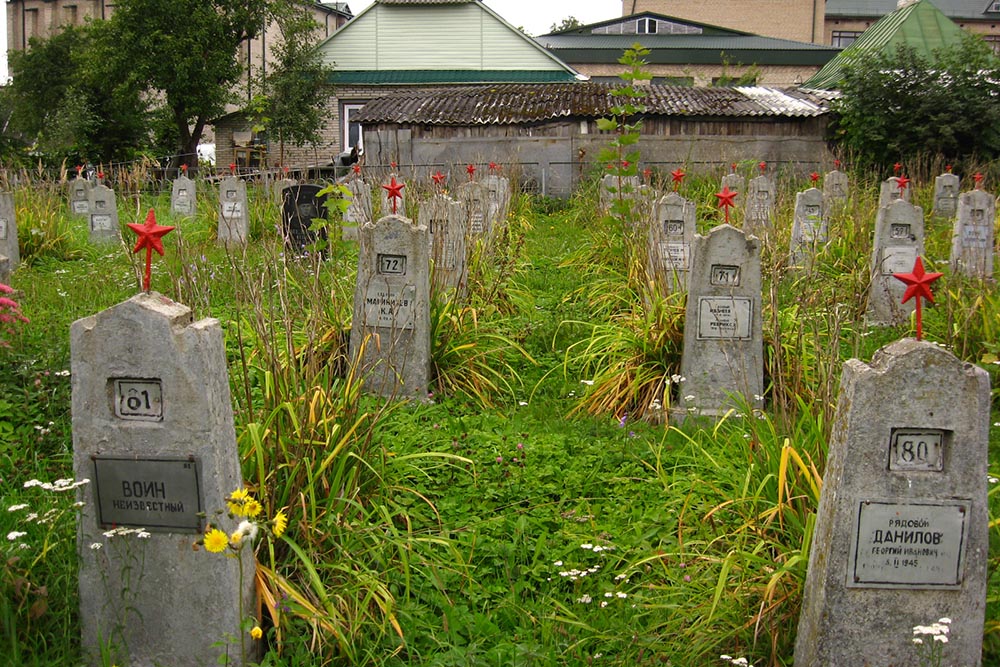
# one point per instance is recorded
(535, 16)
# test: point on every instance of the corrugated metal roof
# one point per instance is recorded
(517, 104)
(425, 2)
(921, 26)
(402, 77)
(953, 9)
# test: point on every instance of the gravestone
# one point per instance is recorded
(359, 211)
(946, 189)
(723, 358)
(79, 197)
(498, 196)
(972, 238)
(300, 205)
(103, 215)
(759, 207)
(835, 188)
(670, 236)
(390, 334)
(5, 269)
(901, 535)
(153, 431)
(889, 191)
(473, 198)
(234, 225)
(442, 216)
(279, 185)
(734, 181)
(613, 187)
(8, 232)
(899, 239)
(183, 196)
(387, 202)
(809, 227)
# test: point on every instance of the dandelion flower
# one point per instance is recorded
(216, 541)
(252, 508)
(236, 500)
(256, 632)
(280, 523)
(236, 538)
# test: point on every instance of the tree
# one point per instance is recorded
(185, 53)
(900, 105)
(568, 23)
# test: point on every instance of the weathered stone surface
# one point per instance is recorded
(758, 212)
(390, 334)
(442, 216)
(671, 234)
(889, 191)
(973, 235)
(723, 344)
(901, 534)
(475, 204)
(79, 197)
(183, 197)
(946, 189)
(809, 227)
(613, 187)
(8, 231)
(150, 385)
(734, 182)
(899, 239)
(498, 197)
(103, 215)
(5, 270)
(359, 211)
(835, 188)
(234, 216)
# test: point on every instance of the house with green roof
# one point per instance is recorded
(920, 25)
(846, 20)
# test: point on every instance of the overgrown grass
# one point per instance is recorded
(488, 527)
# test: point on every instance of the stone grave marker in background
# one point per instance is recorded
(889, 191)
(758, 211)
(153, 431)
(5, 269)
(234, 225)
(279, 185)
(835, 188)
(972, 238)
(8, 232)
(300, 205)
(79, 196)
(474, 200)
(359, 211)
(442, 216)
(498, 196)
(670, 236)
(613, 186)
(901, 534)
(390, 334)
(735, 182)
(899, 239)
(809, 227)
(723, 358)
(103, 215)
(946, 189)
(183, 196)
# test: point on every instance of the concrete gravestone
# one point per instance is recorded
(79, 196)
(359, 211)
(442, 216)
(103, 215)
(8, 232)
(183, 196)
(734, 182)
(972, 239)
(899, 239)
(723, 357)
(390, 334)
(946, 188)
(614, 187)
(835, 188)
(889, 191)
(153, 431)
(498, 196)
(300, 206)
(670, 236)
(759, 207)
(234, 226)
(901, 533)
(473, 198)
(809, 228)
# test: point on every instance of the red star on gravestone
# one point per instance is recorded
(438, 177)
(918, 286)
(356, 168)
(762, 166)
(494, 167)
(814, 177)
(896, 168)
(836, 164)
(947, 168)
(100, 176)
(646, 173)
(677, 176)
(393, 165)
(902, 182)
(978, 178)
(232, 168)
(151, 238)
(471, 171)
(395, 192)
(732, 167)
(727, 198)
(184, 169)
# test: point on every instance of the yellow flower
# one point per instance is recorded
(280, 523)
(236, 538)
(256, 632)
(236, 500)
(216, 540)
(251, 507)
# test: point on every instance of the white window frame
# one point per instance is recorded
(345, 117)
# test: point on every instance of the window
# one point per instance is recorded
(352, 130)
(844, 38)
(645, 27)
(994, 42)
(993, 7)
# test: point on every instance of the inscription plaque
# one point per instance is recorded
(973, 235)
(100, 222)
(232, 209)
(676, 256)
(392, 265)
(390, 308)
(182, 206)
(158, 494)
(725, 275)
(476, 225)
(916, 449)
(3, 229)
(916, 545)
(898, 259)
(138, 400)
(81, 206)
(724, 317)
(450, 259)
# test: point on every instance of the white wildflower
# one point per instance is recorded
(621, 595)
(15, 534)
(588, 545)
(604, 603)
(587, 382)
(16, 508)
(96, 545)
(585, 599)
(557, 563)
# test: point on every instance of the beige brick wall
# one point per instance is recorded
(779, 76)
(799, 20)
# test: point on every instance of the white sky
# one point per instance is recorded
(535, 16)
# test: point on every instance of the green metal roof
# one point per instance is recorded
(921, 26)
(423, 76)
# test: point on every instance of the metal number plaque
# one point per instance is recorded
(140, 400)
(158, 494)
(914, 545)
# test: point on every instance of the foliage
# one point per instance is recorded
(896, 106)
(567, 23)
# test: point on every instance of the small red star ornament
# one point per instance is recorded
(494, 167)
(184, 168)
(727, 198)
(471, 171)
(896, 168)
(232, 168)
(902, 182)
(395, 192)
(836, 164)
(438, 177)
(677, 176)
(356, 168)
(762, 166)
(947, 168)
(814, 177)
(918, 286)
(151, 238)
(978, 178)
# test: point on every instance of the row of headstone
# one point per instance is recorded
(10, 255)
